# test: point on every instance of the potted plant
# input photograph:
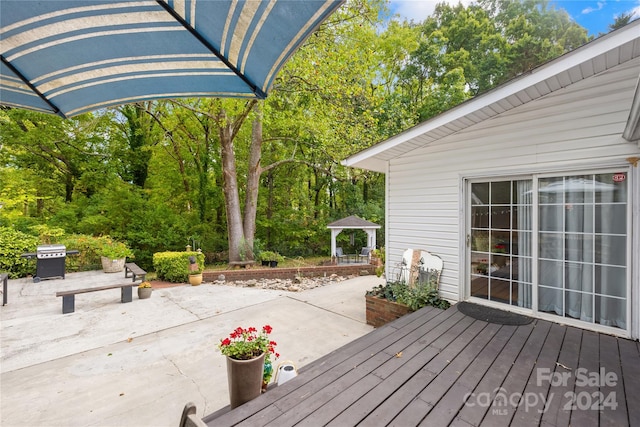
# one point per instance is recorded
(144, 290)
(195, 272)
(246, 350)
(388, 302)
(271, 258)
(378, 259)
(113, 255)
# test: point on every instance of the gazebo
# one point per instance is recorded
(353, 222)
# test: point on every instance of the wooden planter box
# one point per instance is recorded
(381, 311)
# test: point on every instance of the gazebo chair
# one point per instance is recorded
(340, 255)
(364, 253)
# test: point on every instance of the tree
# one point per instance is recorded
(622, 20)
(465, 51)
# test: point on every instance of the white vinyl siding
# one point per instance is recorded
(575, 128)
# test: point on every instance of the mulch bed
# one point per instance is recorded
(159, 284)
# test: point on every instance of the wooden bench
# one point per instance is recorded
(135, 271)
(4, 277)
(69, 297)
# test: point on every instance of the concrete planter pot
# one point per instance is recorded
(110, 265)
(144, 293)
(380, 311)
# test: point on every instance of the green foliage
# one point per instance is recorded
(271, 256)
(381, 255)
(152, 173)
(113, 249)
(47, 234)
(414, 297)
(89, 248)
(13, 244)
(174, 266)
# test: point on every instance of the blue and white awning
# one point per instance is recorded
(72, 56)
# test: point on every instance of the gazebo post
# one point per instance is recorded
(334, 234)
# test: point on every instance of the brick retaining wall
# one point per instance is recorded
(289, 273)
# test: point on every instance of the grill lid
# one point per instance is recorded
(51, 251)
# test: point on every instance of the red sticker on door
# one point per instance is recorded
(619, 177)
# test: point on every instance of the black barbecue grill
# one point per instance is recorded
(50, 261)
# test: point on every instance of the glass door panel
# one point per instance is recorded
(501, 241)
(582, 247)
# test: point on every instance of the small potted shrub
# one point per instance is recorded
(144, 290)
(271, 258)
(195, 272)
(113, 255)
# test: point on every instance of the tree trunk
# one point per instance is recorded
(235, 230)
(253, 180)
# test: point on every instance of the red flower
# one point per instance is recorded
(244, 344)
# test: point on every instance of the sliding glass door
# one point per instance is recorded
(583, 248)
(580, 259)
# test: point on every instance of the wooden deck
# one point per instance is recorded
(441, 368)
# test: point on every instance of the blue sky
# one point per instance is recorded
(595, 16)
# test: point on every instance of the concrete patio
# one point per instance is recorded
(137, 364)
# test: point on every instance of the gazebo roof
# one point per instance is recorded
(353, 221)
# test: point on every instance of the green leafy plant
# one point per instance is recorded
(420, 296)
(271, 256)
(385, 291)
(14, 243)
(248, 343)
(414, 297)
(380, 255)
(174, 266)
(113, 249)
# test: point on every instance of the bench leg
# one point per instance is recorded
(68, 304)
(4, 291)
(126, 295)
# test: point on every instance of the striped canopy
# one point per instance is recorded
(72, 56)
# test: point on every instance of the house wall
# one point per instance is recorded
(578, 127)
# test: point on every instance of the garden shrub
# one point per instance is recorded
(13, 244)
(174, 266)
(414, 297)
(89, 256)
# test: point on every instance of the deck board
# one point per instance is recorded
(446, 409)
(537, 389)
(476, 406)
(629, 358)
(611, 384)
(439, 367)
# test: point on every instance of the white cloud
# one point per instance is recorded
(419, 10)
(589, 10)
